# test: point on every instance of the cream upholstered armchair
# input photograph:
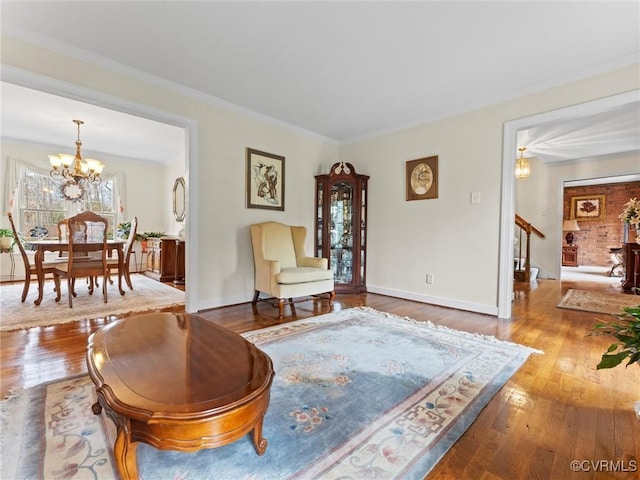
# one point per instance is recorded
(282, 270)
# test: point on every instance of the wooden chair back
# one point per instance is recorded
(128, 248)
(87, 232)
(63, 228)
(18, 241)
(29, 269)
(132, 238)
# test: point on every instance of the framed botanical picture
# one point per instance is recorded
(422, 178)
(265, 180)
(587, 207)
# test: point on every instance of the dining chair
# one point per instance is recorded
(128, 248)
(30, 268)
(63, 226)
(86, 232)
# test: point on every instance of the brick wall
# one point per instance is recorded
(596, 236)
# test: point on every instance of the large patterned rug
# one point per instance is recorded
(357, 394)
(597, 302)
(147, 294)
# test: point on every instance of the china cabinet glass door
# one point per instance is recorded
(341, 214)
(341, 225)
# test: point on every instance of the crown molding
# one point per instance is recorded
(85, 56)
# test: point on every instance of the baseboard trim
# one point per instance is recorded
(441, 302)
(224, 302)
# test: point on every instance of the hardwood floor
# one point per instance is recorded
(556, 409)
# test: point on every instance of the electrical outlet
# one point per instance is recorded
(429, 278)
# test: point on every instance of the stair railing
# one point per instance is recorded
(524, 274)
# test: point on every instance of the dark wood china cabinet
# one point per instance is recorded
(341, 226)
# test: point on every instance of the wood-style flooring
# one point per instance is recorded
(557, 409)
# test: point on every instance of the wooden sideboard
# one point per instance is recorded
(165, 259)
(631, 267)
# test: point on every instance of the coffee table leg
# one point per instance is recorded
(124, 453)
(96, 408)
(259, 442)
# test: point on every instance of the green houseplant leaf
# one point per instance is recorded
(626, 330)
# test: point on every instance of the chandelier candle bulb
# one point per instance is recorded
(66, 159)
(55, 161)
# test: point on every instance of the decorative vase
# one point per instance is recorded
(625, 233)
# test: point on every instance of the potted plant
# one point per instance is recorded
(627, 333)
(6, 239)
(124, 230)
(630, 216)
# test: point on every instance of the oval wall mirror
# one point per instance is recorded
(179, 199)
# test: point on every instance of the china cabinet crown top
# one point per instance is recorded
(342, 169)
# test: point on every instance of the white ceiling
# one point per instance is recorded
(39, 117)
(342, 70)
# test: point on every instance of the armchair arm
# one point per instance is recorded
(266, 271)
(314, 262)
(274, 266)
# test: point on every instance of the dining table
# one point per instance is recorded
(40, 246)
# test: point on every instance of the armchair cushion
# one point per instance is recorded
(303, 275)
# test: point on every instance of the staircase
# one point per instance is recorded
(522, 270)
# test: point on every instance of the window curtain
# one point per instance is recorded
(15, 171)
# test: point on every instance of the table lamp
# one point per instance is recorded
(570, 226)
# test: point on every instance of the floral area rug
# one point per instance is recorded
(147, 294)
(357, 394)
(597, 302)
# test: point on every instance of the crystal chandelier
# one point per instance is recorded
(522, 165)
(75, 169)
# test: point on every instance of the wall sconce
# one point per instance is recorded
(570, 226)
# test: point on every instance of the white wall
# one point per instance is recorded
(148, 195)
(174, 169)
(219, 258)
(147, 185)
(456, 242)
(447, 237)
(539, 200)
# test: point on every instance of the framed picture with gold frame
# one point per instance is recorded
(422, 178)
(587, 207)
(265, 180)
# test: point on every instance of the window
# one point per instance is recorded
(43, 205)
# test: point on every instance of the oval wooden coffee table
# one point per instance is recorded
(177, 382)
